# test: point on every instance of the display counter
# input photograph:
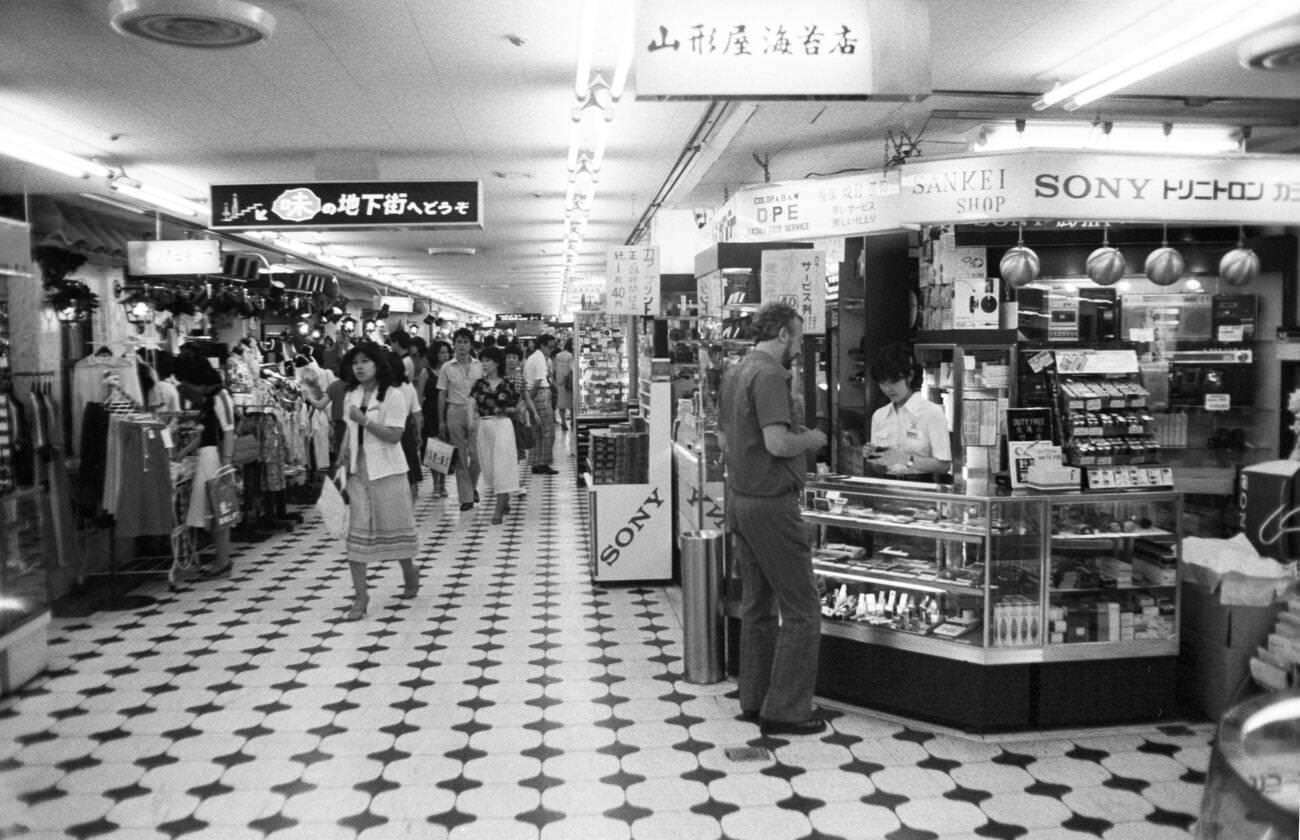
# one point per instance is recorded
(996, 611)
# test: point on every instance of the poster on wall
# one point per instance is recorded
(632, 280)
(797, 277)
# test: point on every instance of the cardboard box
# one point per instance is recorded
(1217, 642)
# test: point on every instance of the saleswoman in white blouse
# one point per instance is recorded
(909, 437)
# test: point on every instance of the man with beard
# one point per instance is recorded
(765, 447)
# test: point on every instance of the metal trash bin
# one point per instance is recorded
(702, 619)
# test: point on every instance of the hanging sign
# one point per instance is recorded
(632, 280)
(1113, 187)
(343, 204)
(821, 208)
(797, 277)
(710, 290)
(771, 48)
(15, 248)
(173, 256)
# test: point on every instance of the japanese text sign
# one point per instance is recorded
(822, 208)
(1109, 187)
(337, 204)
(797, 277)
(749, 48)
(632, 280)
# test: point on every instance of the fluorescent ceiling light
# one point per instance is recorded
(40, 154)
(1121, 137)
(120, 205)
(158, 198)
(1215, 26)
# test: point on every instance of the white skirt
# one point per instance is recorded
(497, 455)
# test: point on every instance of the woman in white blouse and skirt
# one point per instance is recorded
(381, 523)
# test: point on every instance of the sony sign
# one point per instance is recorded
(625, 536)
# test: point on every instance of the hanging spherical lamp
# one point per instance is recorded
(1019, 265)
(1164, 266)
(1106, 265)
(1240, 265)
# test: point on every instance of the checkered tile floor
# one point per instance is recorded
(511, 699)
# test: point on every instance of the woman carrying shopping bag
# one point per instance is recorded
(381, 526)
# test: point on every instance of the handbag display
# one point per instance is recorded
(440, 456)
(333, 507)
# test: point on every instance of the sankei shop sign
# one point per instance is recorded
(773, 48)
(340, 204)
(1250, 189)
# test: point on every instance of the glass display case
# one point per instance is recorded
(1113, 581)
(996, 579)
(927, 568)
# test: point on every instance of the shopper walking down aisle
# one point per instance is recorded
(414, 422)
(496, 401)
(381, 521)
(537, 373)
(439, 354)
(456, 425)
(514, 374)
(564, 384)
(780, 633)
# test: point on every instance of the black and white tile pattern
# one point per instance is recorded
(511, 699)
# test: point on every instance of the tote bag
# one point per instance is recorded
(333, 508)
(440, 456)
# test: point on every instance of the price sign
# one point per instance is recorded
(1040, 361)
(1232, 333)
(632, 280)
(797, 277)
(1147, 334)
(1218, 402)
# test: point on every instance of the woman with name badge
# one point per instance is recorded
(909, 437)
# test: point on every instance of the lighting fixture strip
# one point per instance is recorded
(1215, 27)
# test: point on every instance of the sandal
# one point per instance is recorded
(358, 609)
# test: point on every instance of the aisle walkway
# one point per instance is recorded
(511, 699)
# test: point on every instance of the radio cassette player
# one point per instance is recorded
(1219, 370)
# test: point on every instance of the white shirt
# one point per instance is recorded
(382, 458)
(919, 428)
(537, 369)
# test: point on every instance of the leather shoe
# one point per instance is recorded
(466, 505)
(746, 716)
(544, 470)
(811, 726)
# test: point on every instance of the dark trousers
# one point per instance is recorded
(780, 614)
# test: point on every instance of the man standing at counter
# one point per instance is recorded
(909, 437)
(764, 448)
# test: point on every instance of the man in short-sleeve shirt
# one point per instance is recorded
(455, 380)
(764, 446)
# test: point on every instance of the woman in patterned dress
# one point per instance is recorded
(497, 401)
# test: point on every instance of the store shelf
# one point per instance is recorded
(1133, 588)
(1145, 533)
(945, 531)
(885, 578)
(1127, 649)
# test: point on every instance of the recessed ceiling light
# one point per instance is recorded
(206, 24)
(452, 252)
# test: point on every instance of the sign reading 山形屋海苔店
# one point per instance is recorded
(1009, 186)
(774, 48)
(339, 204)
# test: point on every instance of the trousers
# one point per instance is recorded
(544, 452)
(462, 436)
(780, 614)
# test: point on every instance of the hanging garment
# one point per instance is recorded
(144, 503)
(88, 384)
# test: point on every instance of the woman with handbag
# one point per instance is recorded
(497, 402)
(381, 520)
